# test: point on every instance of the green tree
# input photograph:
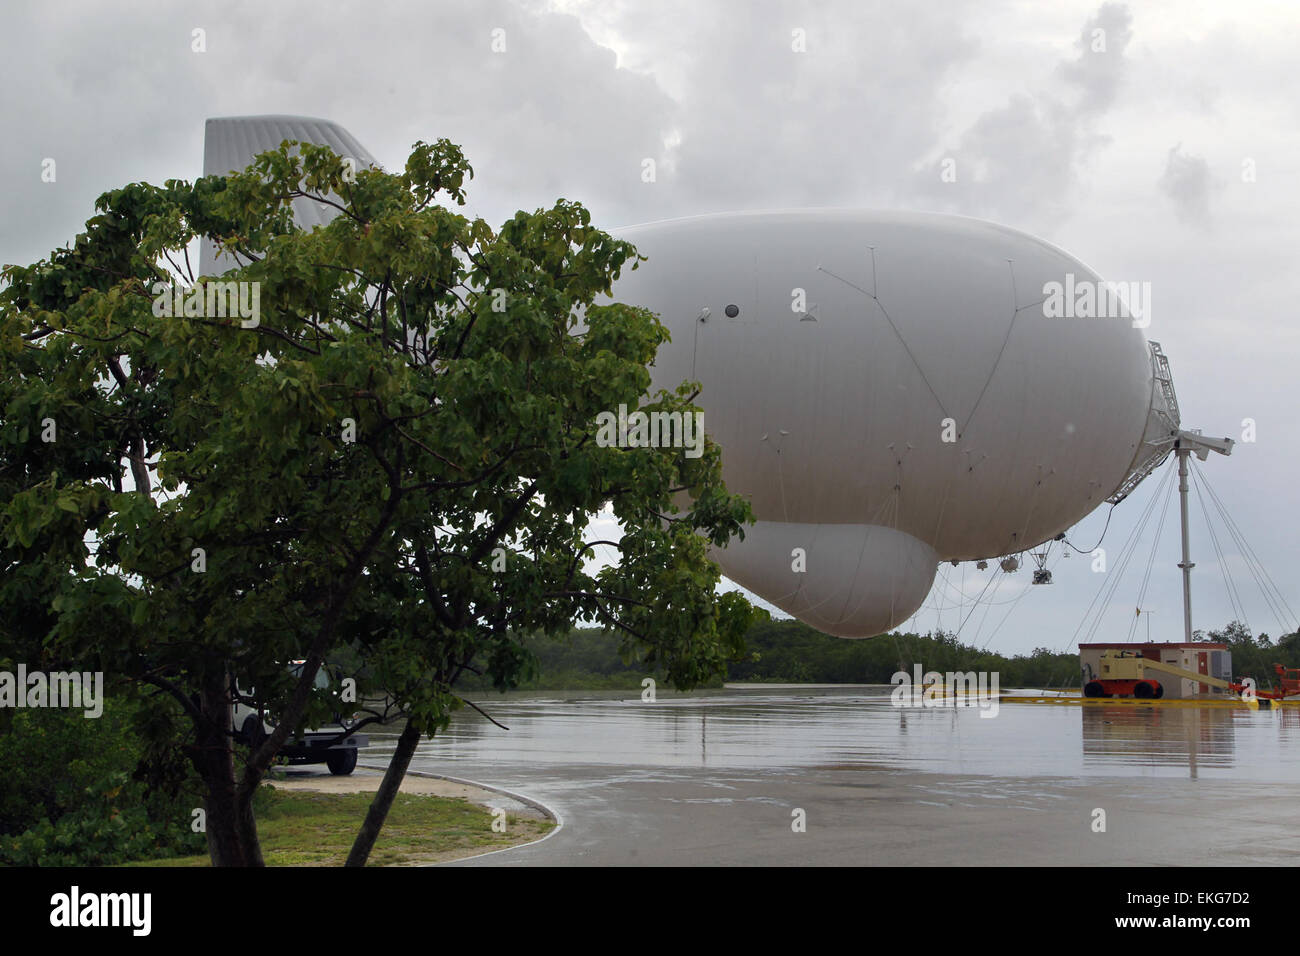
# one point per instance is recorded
(397, 454)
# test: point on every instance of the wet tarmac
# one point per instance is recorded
(727, 777)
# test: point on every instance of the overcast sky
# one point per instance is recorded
(1171, 158)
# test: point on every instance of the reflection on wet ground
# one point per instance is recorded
(716, 777)
(859, 729)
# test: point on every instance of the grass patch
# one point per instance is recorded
(302, 828)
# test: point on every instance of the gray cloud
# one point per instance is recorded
(1187, 182)
(1099, 70)
(1019, 163)
(836, 125)
(118, 95)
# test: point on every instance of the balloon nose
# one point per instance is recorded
(849, 580)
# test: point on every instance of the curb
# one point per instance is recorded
(528, 801)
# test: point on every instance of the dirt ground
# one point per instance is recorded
(363, 780)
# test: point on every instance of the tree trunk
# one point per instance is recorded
(383, 801)
(225, 846)
(246, 824)
(231, 830)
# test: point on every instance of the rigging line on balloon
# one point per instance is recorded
(1033, 503)
(898, 511)
(988, 608)
(869, 295)
(780, 480)
(1112, 586)
(912, 644)
(1128, 543)
(915, 649)
(893, 599)
(943, 581)
(943, 505)
(857, 571)
(1127, 557)
(1104, 529)
(1015, 313)
(898, 484)
(817, 530)
(695, 345)
(915, 362)
(1239, 609)
(975, 605)
(899, 650)
(1013, 602)
(1234, 596)
(939, 611)
(885, 312)
(961, 593)
(1146, 577)
(862, 552)
(1151, 560)
(985, 616)
(780, 470)
(801, 577)
(1247, 550)
(943, 584)
(1111, 581)
(880, 512)
(1270, 599)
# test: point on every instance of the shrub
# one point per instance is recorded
(82, 792)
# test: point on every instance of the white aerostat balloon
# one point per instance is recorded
(888, 388)
(890, 392)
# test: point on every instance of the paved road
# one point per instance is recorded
(876, 816)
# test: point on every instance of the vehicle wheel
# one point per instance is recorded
(1143, 691)
(1160, 691)
(342, 762)
(1093, 689)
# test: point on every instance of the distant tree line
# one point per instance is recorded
(788, 651)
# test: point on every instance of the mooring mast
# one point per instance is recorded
(1192, 443)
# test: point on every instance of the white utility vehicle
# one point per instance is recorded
(331, 745)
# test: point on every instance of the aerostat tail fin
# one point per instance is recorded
(232, 142)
